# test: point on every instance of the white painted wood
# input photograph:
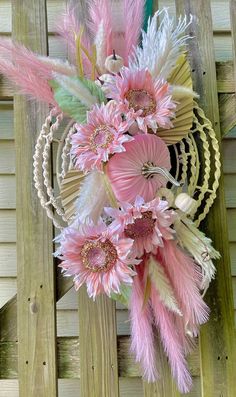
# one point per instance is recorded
(7, 192)
(7, 157)
(7, 260)
(7, 226)
(7, 289)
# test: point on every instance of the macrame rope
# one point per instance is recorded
(188, 166)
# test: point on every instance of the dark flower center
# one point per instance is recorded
(141, 100)
(98, 256)
(141, 227)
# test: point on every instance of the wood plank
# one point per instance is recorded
(225, 77)
(7, 260)
(220, 12)
(232, 247)
(9, 388)
(54, 8)
(68, 322)
(230, 190)
(7, 226)
(217, 336)
(231, 216)
(232, 7)
(35, 273)
(7, 192)
(229, 158)
(98, 346)
(7, 289)
(227, 106)
(6, 120)
(7, 156)
(69, 361)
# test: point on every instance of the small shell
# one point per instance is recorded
(114, 63)
(185, 203)
(166, 194)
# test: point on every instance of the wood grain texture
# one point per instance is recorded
(69, 360)
(35, 272)
(217, 336)
(7, 260)
(98, 346)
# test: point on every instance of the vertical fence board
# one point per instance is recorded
(217, 336)
(233, 33)
(36, 295)
(97, 329)
(98, 347)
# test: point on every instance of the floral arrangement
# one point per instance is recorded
(133, 236)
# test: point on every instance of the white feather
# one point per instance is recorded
(100, 43)
(180, 92)
(199, 247)
(58, 66)
(161, 46)
(92, 197)
(162, 285)
(76, 88)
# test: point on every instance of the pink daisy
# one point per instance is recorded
(98, 257)
(141, 169)
(146, 223)
(143, 99)
(103, 135)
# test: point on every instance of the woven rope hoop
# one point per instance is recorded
(196, 162)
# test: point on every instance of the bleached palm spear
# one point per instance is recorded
(199, 246)
(161, 46)
(162, 285)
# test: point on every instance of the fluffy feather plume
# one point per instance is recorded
(28, 82)
(165, 322)
(100, 43)
(161, 46)
(142, 338)
(76, 88)
(92, 197)
(100, 10)
(133, 20)
(199, 246)
(162, 285)
(185, 278)
(29, 71)
(69, 28)
(179, 92)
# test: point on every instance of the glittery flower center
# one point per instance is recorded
(141, 227)
(141, 100)
(101, 137)
(98, 256)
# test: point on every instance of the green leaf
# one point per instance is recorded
(71, 104)
(124, 296)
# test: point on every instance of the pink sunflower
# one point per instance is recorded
(98, 257)
(141, 170)
(104, 134)
(143, 99)
(146, 223)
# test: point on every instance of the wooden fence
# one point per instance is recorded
(98, 363)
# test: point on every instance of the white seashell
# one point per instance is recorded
(166, 194)
(114, 63)
(185, 203)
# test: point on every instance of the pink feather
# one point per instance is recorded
(142, 338)
(68, 28)
(133, 18)
(28, 82)
(100, 10)
(185, 277)
(165, 322)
